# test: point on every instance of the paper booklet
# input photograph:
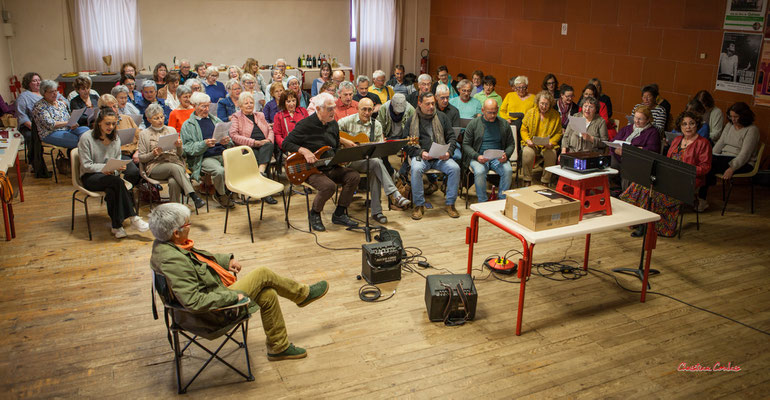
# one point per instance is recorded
(114, 165)
(438, 150)
(167, 142)
(493, 154)
(221, 130)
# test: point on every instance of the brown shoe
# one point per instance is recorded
(452, 211)
(418, 212)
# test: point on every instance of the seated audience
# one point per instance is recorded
(195, 85)
(519, 100)
(379, 178)
(74, 93)
(51, 115)
(602, 97)
(551, 84)
(466, 105)
(215, 89)
(398, 83)
(590, 91)
(489, 91)
(125, 107)
(326, 76)
(159, 75)
(379, 88)
(565, 105)
(423, 86)
(30, 82)
(280, 64)
(442, 73)
(659, 115)
(234, 72)
(712, 116)
(252, 85)
(736, 150)
(540, 121)
(362, 92)
(490, 132)
(309, 135)
(149, 96)
(293, 84)
(200, 69)
(204, 281)
(393, 116)
(290, 114)
(95, 148)
(185, 72)
(165, 164)
(431, 126)
(229, 105)
(185, 109)
(130, 83)
(696, 107)
(124, 122)
(478, 81)
(690, 148)
(271, 108)
(442, 104)
(168, 92)
(84, 99)
(128, 68)
(204, 153)
(641, 134)
(251, 66)
(338, 77)
(592, 136)
(345, 103)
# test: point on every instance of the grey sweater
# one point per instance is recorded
(739, 143)
(94, 154)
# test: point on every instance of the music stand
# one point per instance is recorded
(659, 174)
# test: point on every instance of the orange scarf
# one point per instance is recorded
(226, 276)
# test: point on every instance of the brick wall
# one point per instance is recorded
(625, 43)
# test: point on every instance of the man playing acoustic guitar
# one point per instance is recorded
(310, 135)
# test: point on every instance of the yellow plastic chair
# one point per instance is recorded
(750, 174)
(242, 177)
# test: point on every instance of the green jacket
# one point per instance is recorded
(387, 123)
(474, 135)
(193, 144)
(195, 285)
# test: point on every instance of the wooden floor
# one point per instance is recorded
(77, 322)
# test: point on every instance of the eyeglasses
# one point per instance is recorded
(187, 224)
(522, 87)
(549, 83)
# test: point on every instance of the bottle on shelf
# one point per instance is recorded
(315, 62)
(299, 62)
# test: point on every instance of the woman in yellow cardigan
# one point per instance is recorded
(518, 100)
(541, 121)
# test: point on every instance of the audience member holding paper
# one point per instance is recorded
(544, 122)
(126, 125)
(203, 151)
(586, 131)
(488, 144)
(54, 123)
(160, 151)
(99, 151)
(431, 127)
(84, 100)
(641, 134)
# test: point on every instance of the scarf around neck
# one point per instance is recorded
(438, 129)
(637, 131)
(226, 276)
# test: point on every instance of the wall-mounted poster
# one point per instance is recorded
(762, 94)
(745, 15)
(737, 67)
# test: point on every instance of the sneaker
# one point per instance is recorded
(291, 353)
(138, 223)
(452, 211)
(702, 205)
(418, 212)
(343, 220)
(380, 217)
(119, 233)
(399, 201)
(317, 290)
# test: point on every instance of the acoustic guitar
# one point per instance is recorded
(357, 139)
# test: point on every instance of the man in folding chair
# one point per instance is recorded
(489, 132)
(203, 281)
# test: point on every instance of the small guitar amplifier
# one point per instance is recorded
(380, 262)
(450, 298)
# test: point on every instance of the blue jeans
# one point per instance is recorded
(457, 155)
(448, 167)
(65, 138)
(480, 177)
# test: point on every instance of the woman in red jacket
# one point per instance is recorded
(287, 118)
(690, 148)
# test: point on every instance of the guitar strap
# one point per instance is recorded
(371, 130)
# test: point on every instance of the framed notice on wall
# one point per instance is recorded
(762, 94)
(745, 15)
(737, 68)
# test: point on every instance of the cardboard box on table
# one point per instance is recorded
(539, 208)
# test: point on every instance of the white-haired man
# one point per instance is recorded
(204, 153)
(345, 103)
(378, 175)
(379, 88)
(203, 281)
(308, 136)
(423, 84)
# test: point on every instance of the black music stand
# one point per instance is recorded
(659, 174)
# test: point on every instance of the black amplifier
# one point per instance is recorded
(380, 262)
(584, 161)
(456, 291)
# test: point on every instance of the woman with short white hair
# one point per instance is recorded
(125, 107)
(249, 128)
(194, 84)
(519, 100)
(254, 86)
(227, 106)
(215, 89)
(165, 164)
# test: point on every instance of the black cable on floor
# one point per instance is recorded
(372, 294)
